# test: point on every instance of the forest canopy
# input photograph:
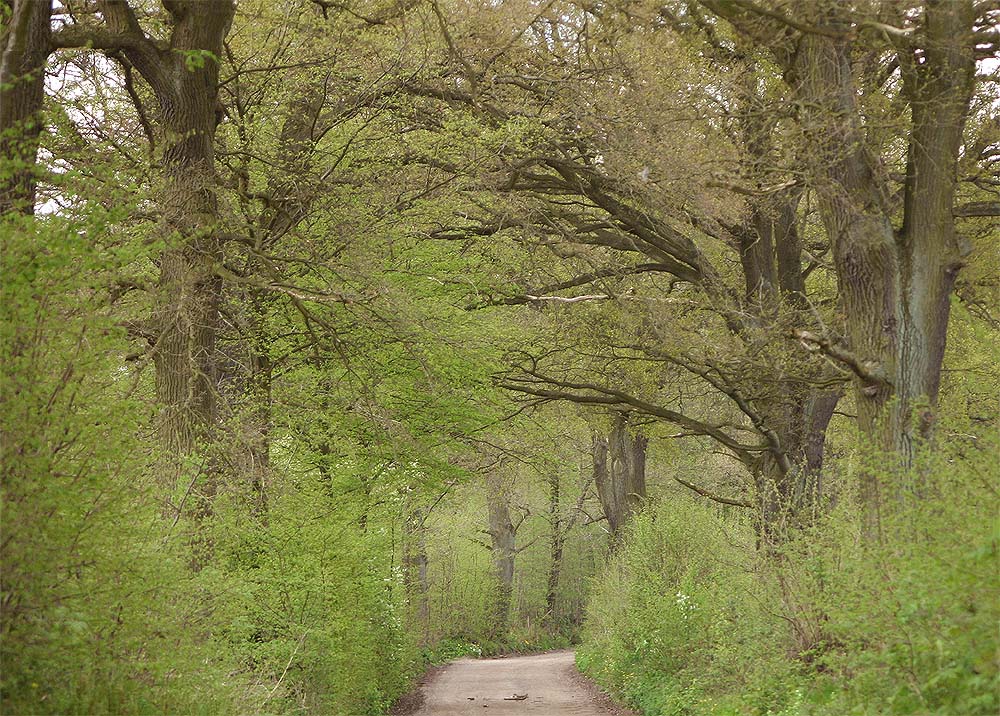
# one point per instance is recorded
(343, 338)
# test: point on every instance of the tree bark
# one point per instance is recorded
(188, 300)
(895, 287)
(503, 543)
(415, 561)
(787, 477)
(620, 473)
(790, 491)
(26, 46)
(940, 91)
(557, 544)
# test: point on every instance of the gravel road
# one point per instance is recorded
(549, 684)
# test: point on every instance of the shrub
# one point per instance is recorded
(678, 620)
(317, 621)
(100, 613)
(688, 619)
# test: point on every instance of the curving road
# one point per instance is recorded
(545, 684)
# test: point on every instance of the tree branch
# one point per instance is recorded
(977, 208)
(123, 33)
(147, 127)
(715, 498)
(583, 279)
(591, 394)
(97, 38)
(869, 371)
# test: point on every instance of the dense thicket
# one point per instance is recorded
(341, 338)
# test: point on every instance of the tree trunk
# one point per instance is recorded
(940, 91)
(790, 491)
(186, 316)
(503, 543)
(291, 192)
(620, 473)
(258, 430)
(184, 77)
(415, 581)
(247, 382)
(557, 544)
(22, 94)
(895, 288)
(787, 483)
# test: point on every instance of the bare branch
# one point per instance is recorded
(122, 33)
(712, 496)
(869, 371)
(583, 279)
(302, 294)
(591, 394)
(569, 299)
(977, 208)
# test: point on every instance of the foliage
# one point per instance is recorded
(101, 613)
(412, 261)
(910, 622)
(678, 619)
(687, 621)
(316, 617)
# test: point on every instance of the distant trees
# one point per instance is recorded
(580, 187)
(503, 528)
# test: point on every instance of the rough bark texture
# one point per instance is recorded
(187, 312)
(789, 490)
(556, 545)
(503, 544)
(26, 46)
(415, 580)
(895, 286)
(940, 91)
(620, 473)
(184, 78)
(787, 477)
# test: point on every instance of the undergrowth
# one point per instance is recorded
(690, 620)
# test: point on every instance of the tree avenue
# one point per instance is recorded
(341, 339)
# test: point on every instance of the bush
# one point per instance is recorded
(318, 619)
(677, 621)
(100, 613)
(911, 621)
(687, 619)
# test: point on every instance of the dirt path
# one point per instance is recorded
(549, 682)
